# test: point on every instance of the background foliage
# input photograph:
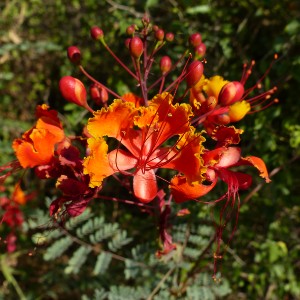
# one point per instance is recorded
(108, 253)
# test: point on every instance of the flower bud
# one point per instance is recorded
(136, 47)
(195, 39)
(170, 37)
(74, 54)
(155, 27)
(98, 94)
(231, 92)
(194, 73)
(130, 29)
(73, 90)
(159, 34)
(200, 50)
(165, 64)
(96, 33)
(127, 42)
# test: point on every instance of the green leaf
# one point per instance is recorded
(200, 9)
(78, 259)
(103, 261)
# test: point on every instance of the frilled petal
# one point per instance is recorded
(38, 144)
(168, 119)
(37, 151)
(259, 164)
(145, 185)
(112, 121)
(183, 191)
(116, 121)
(97, 165)
(226, 135)
(100, 164)
(130, 97)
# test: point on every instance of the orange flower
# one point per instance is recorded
(143, 131)
(38, 144)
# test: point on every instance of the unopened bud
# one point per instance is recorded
(136, 47)
(98, 94)
(74, 54)
(170, 37)
(231, 93)
(159, 34)
(200, 50)
(165, 64)
(155, 27)
(194, 73)
(130, 29)
(96, 33)
(195, 39)
(73, 90)
(127, 42)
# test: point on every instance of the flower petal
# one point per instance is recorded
(222, 157)
(238, 110)
(112, 121)
(259, 164)
(226, 135)
(97, 165)
(172, 119)
(145, 185)
(183, 191)
(185, 157)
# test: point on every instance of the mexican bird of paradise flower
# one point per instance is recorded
(143, 131)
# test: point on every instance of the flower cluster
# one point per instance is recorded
(131, 136)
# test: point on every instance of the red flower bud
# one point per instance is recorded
(73, 90)
(165, 64)
(200, 50)
(194, 73)
(159, 34)
(136, 47)
(195, 39)
(231, 93)
(127, 43)
(98, 94)
(96, 33)
(130, 29)
(155, 27)
(170, 37)
(74, 54)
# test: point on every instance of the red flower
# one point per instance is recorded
(143, 131)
